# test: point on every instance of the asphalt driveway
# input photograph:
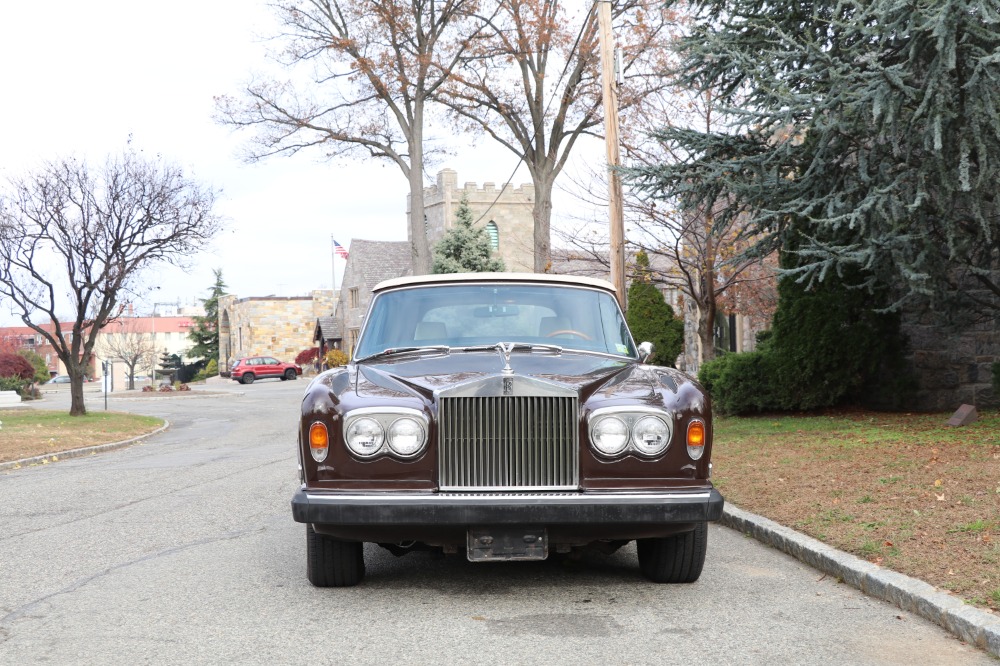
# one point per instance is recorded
(181, 549)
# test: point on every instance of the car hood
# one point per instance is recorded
(585, 374)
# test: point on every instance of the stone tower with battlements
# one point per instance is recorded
(505, 213)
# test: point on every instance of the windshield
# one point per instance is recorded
(465, 315)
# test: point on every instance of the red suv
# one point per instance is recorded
(246, 370)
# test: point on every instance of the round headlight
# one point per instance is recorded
(364, 437)
(650, 436)
(610, 435)
(406, 437)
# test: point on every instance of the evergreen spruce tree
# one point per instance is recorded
(205, 333)
(651, 318)
(873, 126)
(464, 248)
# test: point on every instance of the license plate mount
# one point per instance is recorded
(491, 544)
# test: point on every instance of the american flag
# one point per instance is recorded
(339, 250)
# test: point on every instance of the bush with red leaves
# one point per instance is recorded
(307, 356)
(15, 365)
(183, 387)
(166, 388)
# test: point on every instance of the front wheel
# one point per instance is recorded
(248, 378)
(674, 559)
(331, 562)
(290, 374)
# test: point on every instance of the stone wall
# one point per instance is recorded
(952, 366)
(269, 326)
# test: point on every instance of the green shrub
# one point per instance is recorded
(651, 318)
(212, 369)
(740, 383)
(828, 346)
(38, 363)
(14, 384)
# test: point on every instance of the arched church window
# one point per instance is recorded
(494, 232)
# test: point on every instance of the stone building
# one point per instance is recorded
(505, 213)
(269, 325)
(368, 263)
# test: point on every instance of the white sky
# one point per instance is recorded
(80, 78)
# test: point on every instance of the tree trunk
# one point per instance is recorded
(542, 215)
(706, 331)
(76, 404)
(418, 227)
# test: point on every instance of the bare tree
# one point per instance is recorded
(705, 258)
(123, 339)
(373, 66)
(69, 233)
(510, 86)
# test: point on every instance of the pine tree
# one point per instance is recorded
(873, 127)
(651, 318)
(464, 248)
(205, 333)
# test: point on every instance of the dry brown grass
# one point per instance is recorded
(902, 490)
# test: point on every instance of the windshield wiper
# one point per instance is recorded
(392, 351)
(528, 346)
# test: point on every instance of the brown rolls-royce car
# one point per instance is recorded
(508, 416)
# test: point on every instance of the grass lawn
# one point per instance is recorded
(25, 433)
(901, 490)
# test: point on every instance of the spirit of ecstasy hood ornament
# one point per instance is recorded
(505, 348)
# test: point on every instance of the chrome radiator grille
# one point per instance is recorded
(508, 443)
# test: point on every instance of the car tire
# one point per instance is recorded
(247, 378)
(674, 559)
(290, 374)
(331, 562)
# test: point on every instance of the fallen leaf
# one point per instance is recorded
(479, 618)
(940, 498)
(937, 484)
(888, 543)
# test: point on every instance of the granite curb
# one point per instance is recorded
(78, 453)
(970, 624)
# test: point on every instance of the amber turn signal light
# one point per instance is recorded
(319, 441)
(696, 434)
(696, 439)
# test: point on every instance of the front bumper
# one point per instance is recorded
(590, 511)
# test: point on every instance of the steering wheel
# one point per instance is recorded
(568, 331)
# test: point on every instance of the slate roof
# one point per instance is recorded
(375, 261)
(327, 328)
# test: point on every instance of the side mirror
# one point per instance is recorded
(645, 351)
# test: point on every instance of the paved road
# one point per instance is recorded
(182, 550)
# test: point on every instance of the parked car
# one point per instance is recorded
(248, 370)
(59, 379)
(509, 416)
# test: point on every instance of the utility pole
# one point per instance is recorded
(610, 94)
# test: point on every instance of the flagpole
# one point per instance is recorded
(333, 257)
